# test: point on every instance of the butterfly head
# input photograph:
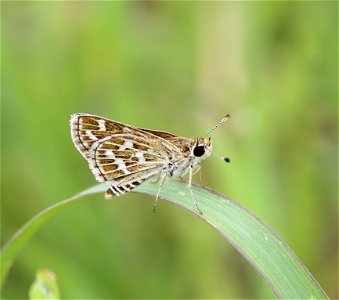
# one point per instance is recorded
(201, 147)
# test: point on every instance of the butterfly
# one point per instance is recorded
(126, 156)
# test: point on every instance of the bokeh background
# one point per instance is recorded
(178, 67)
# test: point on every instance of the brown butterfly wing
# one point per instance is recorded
(119, 153)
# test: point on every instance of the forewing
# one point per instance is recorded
(181, 143)
(89, 129)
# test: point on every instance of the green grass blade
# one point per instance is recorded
(23, 235)
(256, 241)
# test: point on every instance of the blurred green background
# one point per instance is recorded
(178, 67)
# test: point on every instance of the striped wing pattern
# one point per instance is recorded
(121, 154)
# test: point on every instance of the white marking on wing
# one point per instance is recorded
(126, 144)
(110, 153)
(140, 156)
(102, 125)
(91, 135)
(121, 165)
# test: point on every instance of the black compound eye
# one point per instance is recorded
(199, 151)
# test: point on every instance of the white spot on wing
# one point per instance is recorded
(91, 135)
(109, 154)
(140, 156)
(121, 165)
(102, 125)
(126, 144)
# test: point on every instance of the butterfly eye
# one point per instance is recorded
(198, 151)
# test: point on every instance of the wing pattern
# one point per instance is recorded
(121, 154)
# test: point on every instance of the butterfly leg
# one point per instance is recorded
(200, 178)
(156, 180)
(190, 188)
(162, 179)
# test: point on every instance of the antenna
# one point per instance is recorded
(224, 119)
(224, 158)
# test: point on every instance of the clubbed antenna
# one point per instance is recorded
(224, 158)
(224, 119)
